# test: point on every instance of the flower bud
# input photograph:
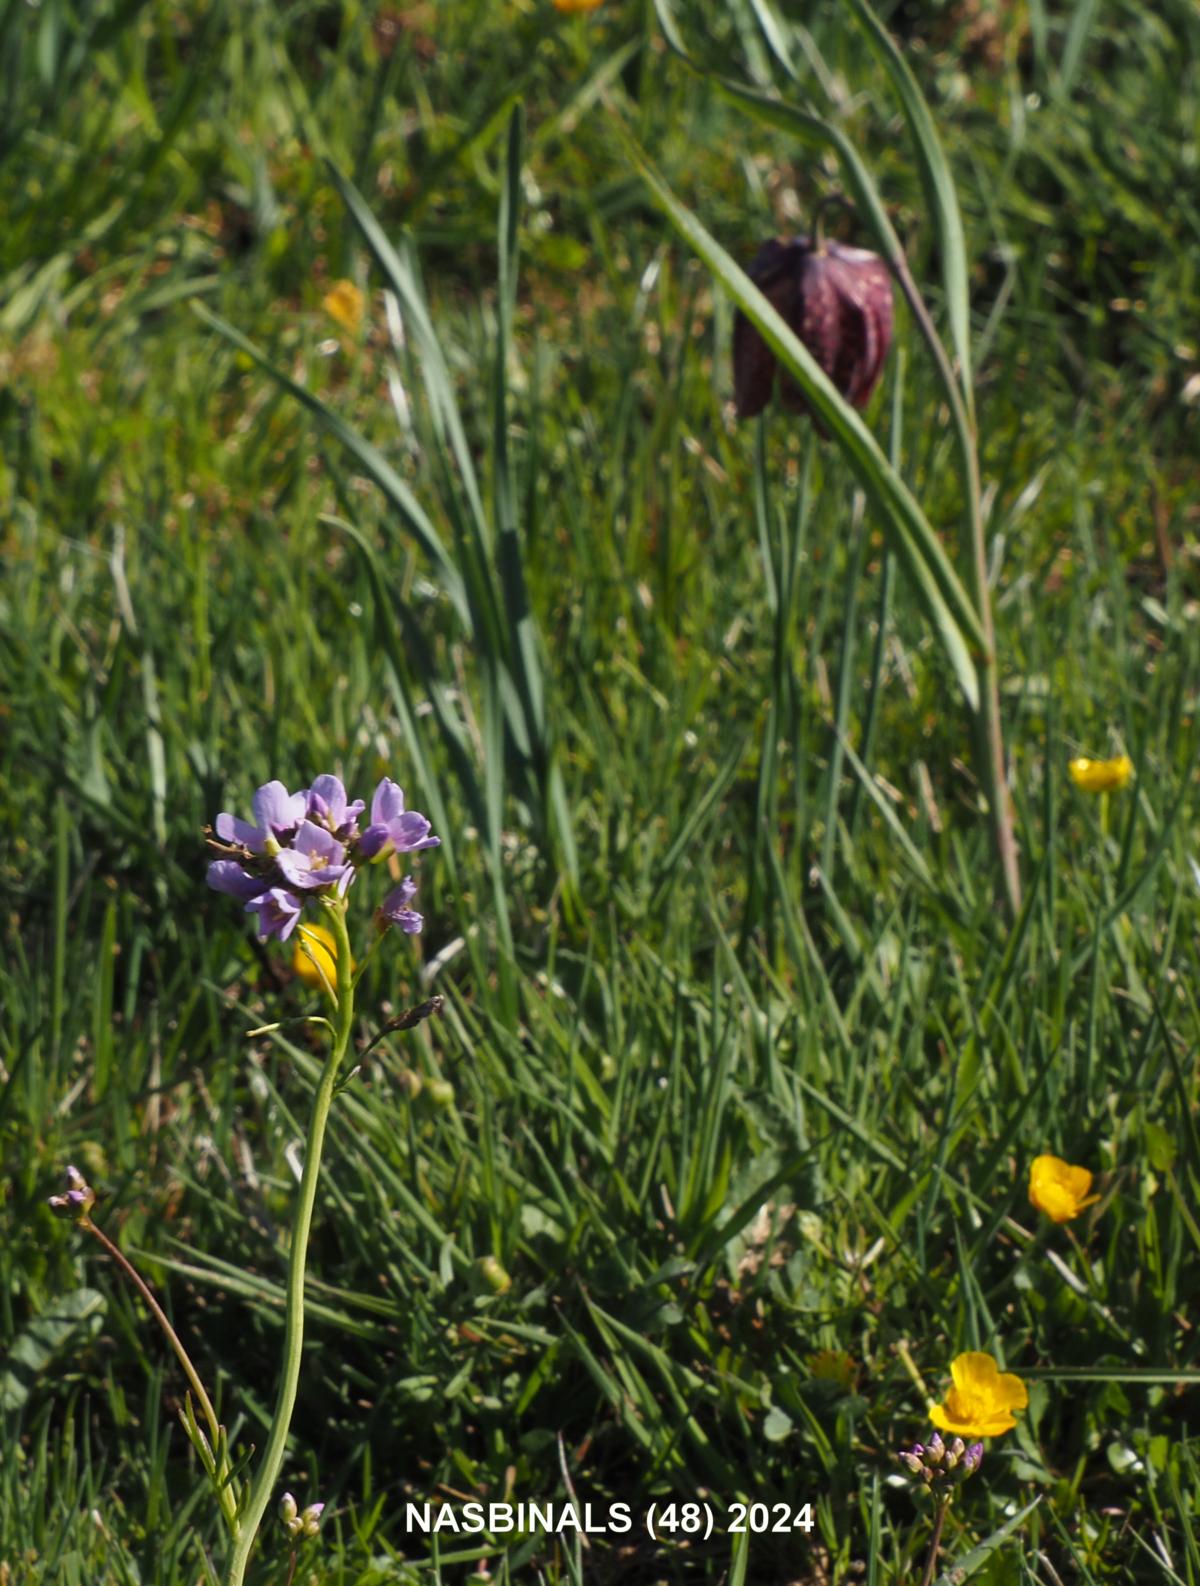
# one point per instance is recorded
(494, 1275)
(310, 1520)
(940, 1466)
(914, 1461)
(289, 1515)
(79, 1199)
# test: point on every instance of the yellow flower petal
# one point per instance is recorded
(1101, 776)
(577, 5)
(981, 1402)
(963, 1423)
(1059, 1189)
(344, 303)
(315, 942)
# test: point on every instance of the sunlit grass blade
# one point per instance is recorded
(515, 599)
(938, 180)
(401, 278)
(391, 621)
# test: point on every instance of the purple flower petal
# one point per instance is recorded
(392, 826)
(278, 810)
(277, 910)
(277, 813)
(315, 859)
(387, 802)
(226, 875)
(410, 832)
(373, 840)
(328, 806)
(394, 909)
(232, 830)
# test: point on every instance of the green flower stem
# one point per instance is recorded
(293, 1341)
(216, 1436)
(939, 1522)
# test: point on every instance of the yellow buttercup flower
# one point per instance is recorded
(981, 1402)
(1101, 776)
(1058, 1189)
(321, 944)
(577, 5)
(345, 302)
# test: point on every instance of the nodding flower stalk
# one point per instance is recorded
(77, 1204)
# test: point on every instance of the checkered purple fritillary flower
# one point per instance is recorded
(303, 846)
(837, 300)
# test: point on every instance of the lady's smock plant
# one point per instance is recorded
(300, 852)
(306, 849)
(938, 1468)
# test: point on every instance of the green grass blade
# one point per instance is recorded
(939, 191)
(978, 1556)
(401, 279)
(372, 460)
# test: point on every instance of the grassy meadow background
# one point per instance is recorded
(741, 1068)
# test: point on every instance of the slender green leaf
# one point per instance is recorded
(978, 1556)
(939, 191)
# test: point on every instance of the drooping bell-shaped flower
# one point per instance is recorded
(837, 300)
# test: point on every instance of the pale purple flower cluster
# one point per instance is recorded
(302, 845)
(300, 1524)
(939, 1463)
